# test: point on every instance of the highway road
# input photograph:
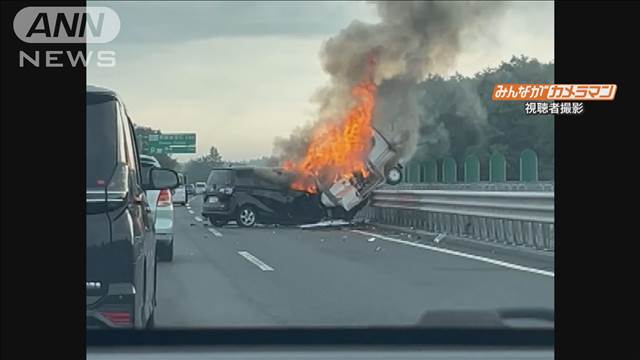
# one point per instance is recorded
(272, 276)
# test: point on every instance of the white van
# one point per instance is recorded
(180, 193)
(382, 167)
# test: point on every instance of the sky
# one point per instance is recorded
(240, 74)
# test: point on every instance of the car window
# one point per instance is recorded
(219, 178)
(128, 139)
(136, 153)
(101, 148)
(146, 167)
(245, 178)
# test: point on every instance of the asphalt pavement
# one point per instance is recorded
(343, 276)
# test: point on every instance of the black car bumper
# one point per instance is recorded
(113, 309)
(217, 213)
(220, 209)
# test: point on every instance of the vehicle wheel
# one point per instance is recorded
(165, 252)
(394, 176)
(246, 216)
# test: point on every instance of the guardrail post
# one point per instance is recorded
(538, 236)
(517, 233)
(528, 234)
(500, 231)
(509, 233)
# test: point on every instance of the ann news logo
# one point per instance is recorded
(66, 25)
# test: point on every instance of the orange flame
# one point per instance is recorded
(338, 150)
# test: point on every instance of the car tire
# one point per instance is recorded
(246, 216)
(165, 252)
(394, 176)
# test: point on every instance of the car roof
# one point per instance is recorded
(101, 90)
(246, 167)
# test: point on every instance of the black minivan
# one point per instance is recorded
(251, 195)
(120, 239)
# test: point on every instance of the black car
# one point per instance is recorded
(120, 238)
(252, 195)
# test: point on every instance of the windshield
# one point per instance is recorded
(102, 142)
(353, 168)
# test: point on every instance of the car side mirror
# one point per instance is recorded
(163, 179)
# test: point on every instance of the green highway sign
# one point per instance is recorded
(178, 143)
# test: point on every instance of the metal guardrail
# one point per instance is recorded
(524, 218)
(480, 186)
(524, 206)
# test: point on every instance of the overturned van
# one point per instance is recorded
(383, 167)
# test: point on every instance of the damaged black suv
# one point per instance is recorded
(250, 195)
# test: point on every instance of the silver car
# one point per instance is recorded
(179, 195)
(161, 206)
(201, 187)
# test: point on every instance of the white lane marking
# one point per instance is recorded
(198, 218)
(257, 262)
(191, 212)
(215, 232)
(461, 254)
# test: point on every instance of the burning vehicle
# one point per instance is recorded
(381, 168)
(251, 195)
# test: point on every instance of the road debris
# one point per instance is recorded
(325, 224)
(371, 239)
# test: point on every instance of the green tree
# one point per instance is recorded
(198, 169)
(460, 119)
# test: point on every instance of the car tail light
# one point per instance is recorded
(119, 318)
(118, 182)
(164, 199)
